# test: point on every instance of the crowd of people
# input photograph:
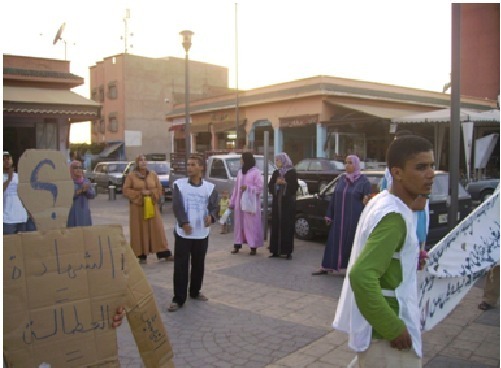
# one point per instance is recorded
(374, 242)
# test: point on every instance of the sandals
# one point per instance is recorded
(485, 306)
(253, 252)
(235, 251)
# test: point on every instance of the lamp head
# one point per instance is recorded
(186, 39)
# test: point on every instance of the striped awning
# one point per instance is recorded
(30, 100)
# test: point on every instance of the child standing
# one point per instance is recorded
(224, 204)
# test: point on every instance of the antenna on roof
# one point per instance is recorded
(126, 33)
(59, 36)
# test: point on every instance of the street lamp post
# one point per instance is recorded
(186, 45)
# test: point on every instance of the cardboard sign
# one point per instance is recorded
(61, 291)
(62, 286)
(45, 187)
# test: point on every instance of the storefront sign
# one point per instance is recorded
(298, 121)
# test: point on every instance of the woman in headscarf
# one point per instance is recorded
(283, 186)
(349, 198)
(146, 235)
(83, 191)
(248, 227)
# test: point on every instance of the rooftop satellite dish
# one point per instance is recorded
(59, 34)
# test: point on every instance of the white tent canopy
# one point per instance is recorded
(444, 116)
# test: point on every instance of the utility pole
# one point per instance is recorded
(455, 116)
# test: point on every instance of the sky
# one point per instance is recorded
(393, 42)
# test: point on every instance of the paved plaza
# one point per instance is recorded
(270, 312)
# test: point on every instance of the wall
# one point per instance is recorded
(480, 50)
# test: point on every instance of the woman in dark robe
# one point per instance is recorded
(350, 196)
(283, 186)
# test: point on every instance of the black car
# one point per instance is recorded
(318, 172)
(311, 209)
(482, 189)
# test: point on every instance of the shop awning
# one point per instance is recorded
(47, 101)
(177, 127)
(378, 111)
(199, 128)
(444, 116)
(110, 149)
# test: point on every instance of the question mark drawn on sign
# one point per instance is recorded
(51, 187)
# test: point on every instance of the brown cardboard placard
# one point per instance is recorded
(61, 290)
(144, 318)
(62, 285)
(45, 187)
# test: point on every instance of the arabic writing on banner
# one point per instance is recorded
(61, 290)
(461, 258)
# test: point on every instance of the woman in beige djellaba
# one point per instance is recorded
(146, 235)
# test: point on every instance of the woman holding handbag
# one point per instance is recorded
(143, 189)
(245, 201)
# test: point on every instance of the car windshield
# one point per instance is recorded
(336, 165)
(116, 168)
(161, 168)
(234, 165)
(440, 189)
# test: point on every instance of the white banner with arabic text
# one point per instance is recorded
(461, 258)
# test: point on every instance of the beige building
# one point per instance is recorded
(39, 106)
(136, 92)
(314, 117)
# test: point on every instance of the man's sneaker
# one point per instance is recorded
(174, 307)
(200, 296)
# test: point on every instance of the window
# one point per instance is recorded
(218, 170)
(46, 134)
(302, 165)
(101, 93)
(99, 168)
(113, 122)
(102, 127)
(315, 166)
(233, 166)
(112, 90)
(93, 94)
(95, 127)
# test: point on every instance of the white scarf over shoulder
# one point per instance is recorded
(348, 317)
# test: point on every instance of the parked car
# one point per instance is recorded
(222, 170)
(108, 173)
(162, 169)
(482, 189)
(311, 209)
(318, 172)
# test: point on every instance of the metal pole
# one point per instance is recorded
(266, 179)
(236, 75)
(187, 111)
(455, 127)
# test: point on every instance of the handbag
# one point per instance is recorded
(149, 208)
(248, 202)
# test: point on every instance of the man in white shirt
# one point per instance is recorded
(14, 213)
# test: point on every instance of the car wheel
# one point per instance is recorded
(302, 228)
(486, 194)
